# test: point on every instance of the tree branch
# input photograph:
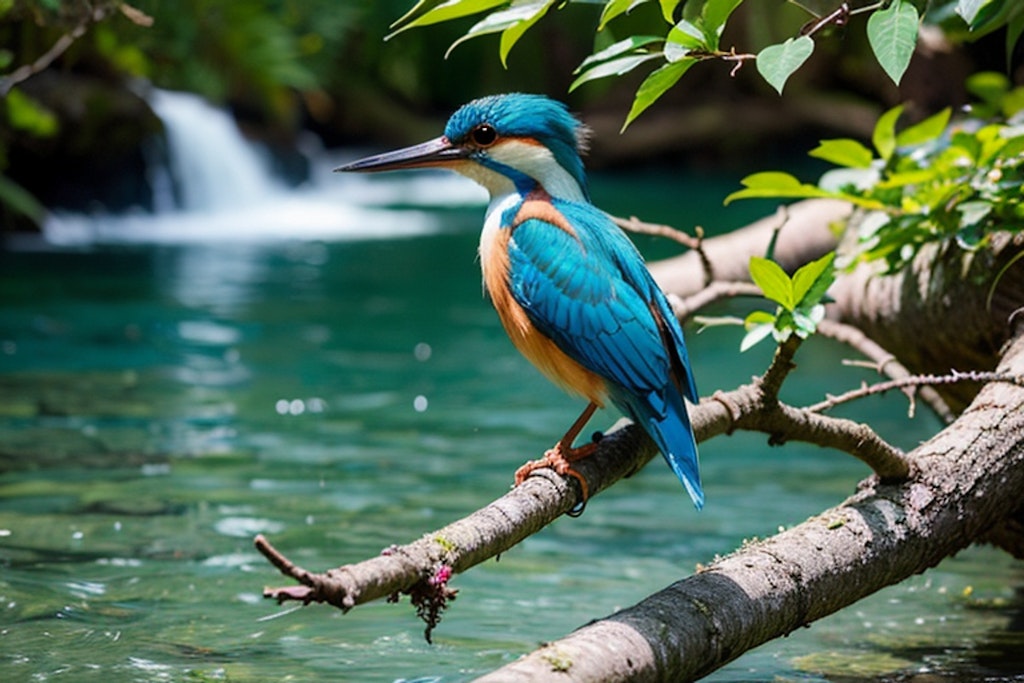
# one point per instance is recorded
(971, 473)
(59, 47)
(545, 496)
(524, 510)
(913, 381)
(786, 423)
(881, 535)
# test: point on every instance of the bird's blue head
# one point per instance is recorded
(511, 142)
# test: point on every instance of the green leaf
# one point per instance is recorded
(925, 131)
(668, 9)
(421, 8)
(756, 334)
(775, 184)
(687, 35)
(614, 67)
(972, 213)
(716, 13)
(812, 280)
(988, 86)
(759, 325)
(1013, 102)
(784, 326)
(26, 115)
(805, 320)
(655, 85)
(773, 281)
(843, 152)
(968, 9)
(912, 177)
(758, 318)
(492, 23)
(528, 13)
(615, 50)
(884, 135)
(892, 33)
(613, 9)
(840, 180)
(512, 22)
(976, 12)
(776, 63)
(428, 12)
(1013, 148)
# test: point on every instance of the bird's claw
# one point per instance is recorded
(560, 460)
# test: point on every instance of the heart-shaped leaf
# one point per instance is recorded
(776, 63)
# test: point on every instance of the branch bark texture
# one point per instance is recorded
(967, 477)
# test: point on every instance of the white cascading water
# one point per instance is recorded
(214, 185)
(210, 164)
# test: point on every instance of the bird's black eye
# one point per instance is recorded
(484, 135)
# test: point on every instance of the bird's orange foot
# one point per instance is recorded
(560, 459)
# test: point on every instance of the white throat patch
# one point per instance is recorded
(536, 161)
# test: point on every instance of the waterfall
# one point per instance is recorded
(211, 184)
(210, 165)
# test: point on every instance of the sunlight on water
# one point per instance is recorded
(150, 429)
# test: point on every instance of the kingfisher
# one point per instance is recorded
(571, 289)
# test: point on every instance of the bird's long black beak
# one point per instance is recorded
(436, 152)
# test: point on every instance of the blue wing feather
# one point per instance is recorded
(592, 295)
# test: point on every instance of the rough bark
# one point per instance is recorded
(968, 476)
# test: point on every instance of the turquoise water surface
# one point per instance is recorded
(163, 401)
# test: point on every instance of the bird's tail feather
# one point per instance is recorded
(671, 430)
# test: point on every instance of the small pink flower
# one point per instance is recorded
(441, 575)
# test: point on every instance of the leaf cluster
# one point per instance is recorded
(800, 299)
(692, 33)
(933, 181)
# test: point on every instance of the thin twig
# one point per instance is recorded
(886, 364)
(837, 17)
(715, 291)
(785, 423)
(953, 377)
(59, 47)
(726, 56)
(634, 224)
(694, 242)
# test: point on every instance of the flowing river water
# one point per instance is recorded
(318, 364)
